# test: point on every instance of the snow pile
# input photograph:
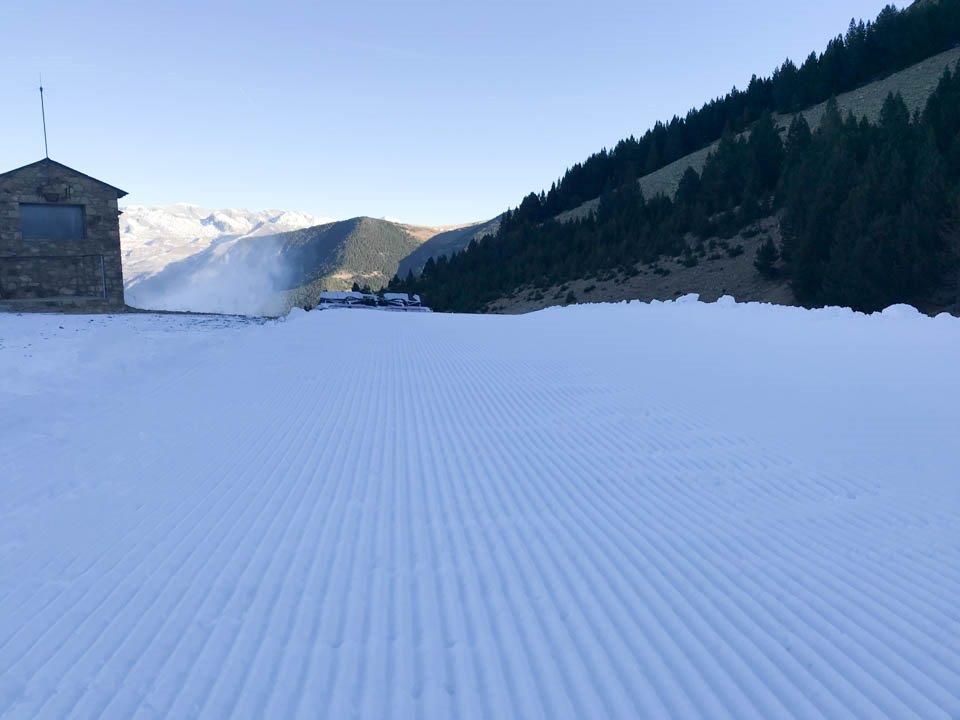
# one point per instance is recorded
(668, 510)
(161, 245)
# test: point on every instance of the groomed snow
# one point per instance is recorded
(673, 510)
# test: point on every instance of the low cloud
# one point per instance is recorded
(242, 277)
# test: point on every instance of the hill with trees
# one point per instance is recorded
(915, 84)
(839, 243)
(268, 273)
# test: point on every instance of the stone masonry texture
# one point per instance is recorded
(83, 275)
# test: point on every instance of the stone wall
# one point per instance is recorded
(83, 274)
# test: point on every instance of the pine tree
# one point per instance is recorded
(798, 142)
(950, 233)
(832, 122)
(765, 155)
(689, 188)
(766, 259)
(724, 176)
(654, 160)
(785, 87)
(814, 192)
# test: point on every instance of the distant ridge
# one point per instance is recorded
(262, 272)
(445, 244)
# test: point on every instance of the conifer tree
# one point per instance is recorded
(689, 188)
(765, 156)
(798, 142)
(766, 259)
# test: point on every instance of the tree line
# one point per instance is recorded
(893, 41)
(870, 214)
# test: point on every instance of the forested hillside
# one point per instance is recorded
(915, 83)
(868, 50)
(866, 206)
(333, 257)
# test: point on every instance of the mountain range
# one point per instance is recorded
(711, 202)
(154, 237)
(184, 257)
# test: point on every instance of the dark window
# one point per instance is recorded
(51, 222)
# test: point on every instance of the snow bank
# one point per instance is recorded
(668, 510)
(877, 394)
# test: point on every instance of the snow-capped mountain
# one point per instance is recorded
(152, 238)
(262, 273)
(184, 257)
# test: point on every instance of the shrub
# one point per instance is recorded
(689, 259)
(766, 260)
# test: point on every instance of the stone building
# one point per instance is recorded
(59, 240)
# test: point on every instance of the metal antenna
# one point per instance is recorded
(43, 114)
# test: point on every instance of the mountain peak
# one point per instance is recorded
(153, 237)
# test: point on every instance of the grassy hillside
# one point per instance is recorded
(868, 199)
(907, 50)
(726, 266)
(915, 84)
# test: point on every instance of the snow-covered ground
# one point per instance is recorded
(670, 510)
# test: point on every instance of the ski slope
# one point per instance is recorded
(675, 510)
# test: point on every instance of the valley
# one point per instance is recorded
(241, 262)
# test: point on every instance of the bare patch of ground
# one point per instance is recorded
(725, 268)
(423, 233)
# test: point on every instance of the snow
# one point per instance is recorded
(678, 510)
(169, 238)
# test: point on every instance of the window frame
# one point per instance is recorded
(35, 238)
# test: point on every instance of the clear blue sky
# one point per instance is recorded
(429, 112)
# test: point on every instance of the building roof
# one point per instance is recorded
(48, 161)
